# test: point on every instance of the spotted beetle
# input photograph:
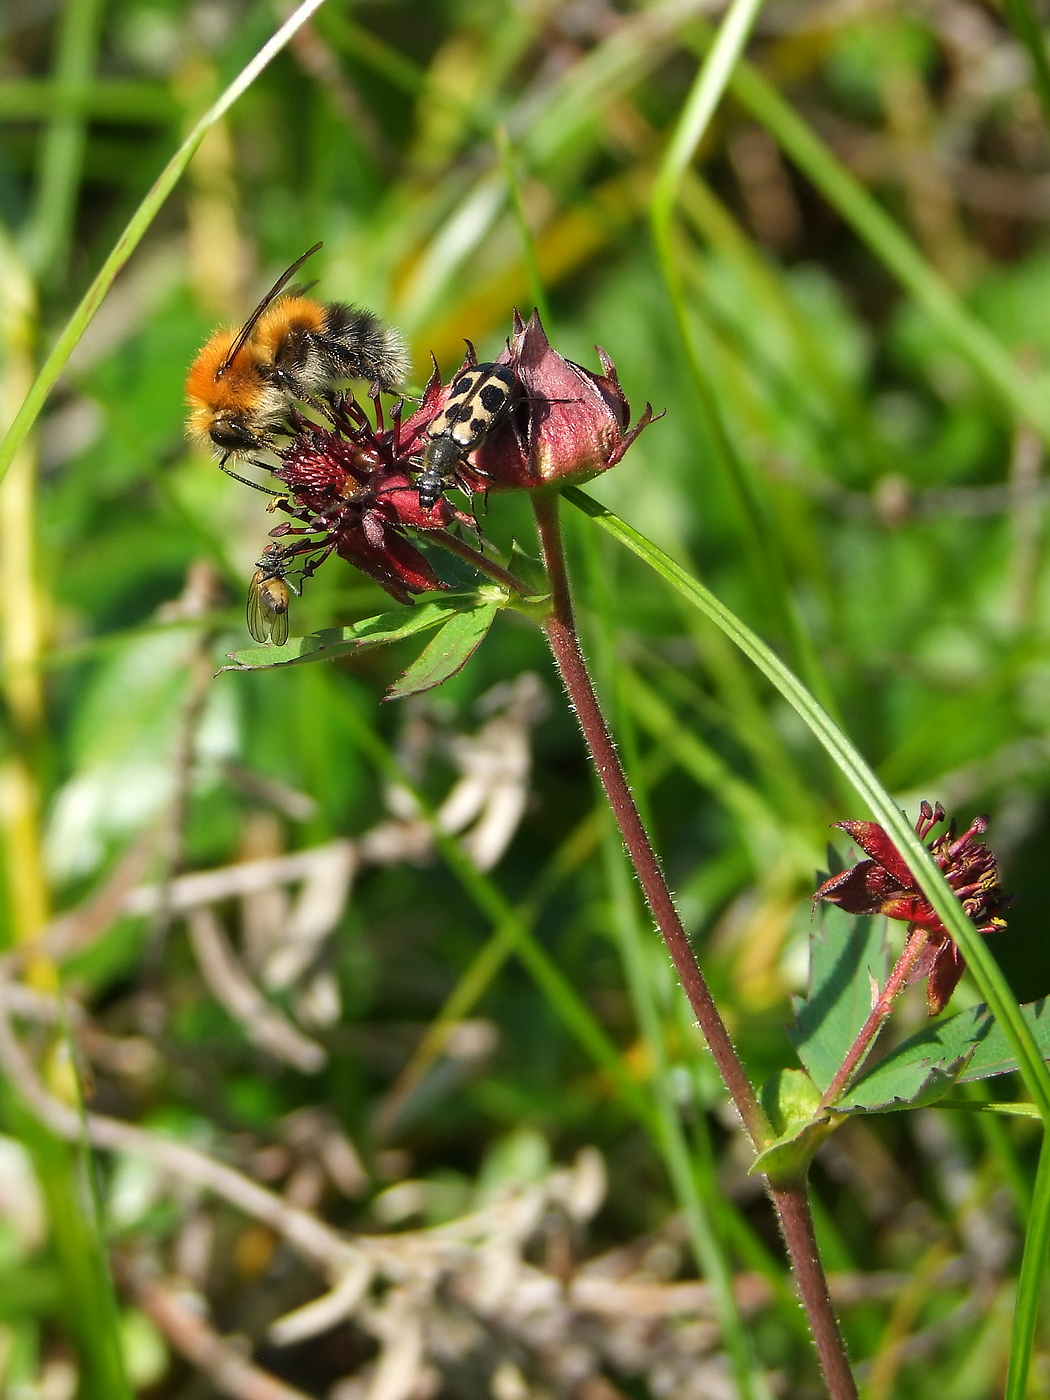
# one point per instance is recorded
(478, 401)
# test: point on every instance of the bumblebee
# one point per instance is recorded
(478, 401)
(243, 384)
(269, 597)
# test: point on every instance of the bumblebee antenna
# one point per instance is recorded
(252, 321)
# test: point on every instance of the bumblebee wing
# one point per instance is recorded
(249, 325)
(259, 617)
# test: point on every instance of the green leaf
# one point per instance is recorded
(447, 653)
(923, 1067)
(791, 1100)
(993, 1055)
(844, 955)
(907, 1083)
(330, 642)
(957, 1049)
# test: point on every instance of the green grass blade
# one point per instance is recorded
(537, 290)
(763, 545)
(46, 241)
(64, 1171)
(990, 980)
(136, 228)
(894, 249)
(487, 962)
(707, 92)
(105, 99)
(1026, 26)
(1030, 1283)
(757, 822)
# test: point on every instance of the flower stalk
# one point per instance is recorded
(560, 629)
(897, 981)
(790, 1199)
(484, 565)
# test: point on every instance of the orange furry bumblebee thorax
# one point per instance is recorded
(237, 389)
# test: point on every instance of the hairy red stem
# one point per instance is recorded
(871, 1027)
(484, 565)
(796, 1224)
(791, 1201)
(560, 628)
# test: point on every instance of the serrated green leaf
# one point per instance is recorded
(844, 955)
(330, 642)
(904, 1084)
(966, 1046)
(447, 653)
(923, 1067)
(992, 1055)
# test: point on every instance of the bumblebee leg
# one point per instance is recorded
(266, 490)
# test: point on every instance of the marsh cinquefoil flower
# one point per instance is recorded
(883, 884)
(356, 485)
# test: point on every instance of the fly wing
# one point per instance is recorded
(259, 617)
(279, 628)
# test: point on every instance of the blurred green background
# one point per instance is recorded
(831, 464)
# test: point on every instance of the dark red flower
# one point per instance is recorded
(883, 884)
(348, 484)
(356, 485)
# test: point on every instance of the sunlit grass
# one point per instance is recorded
(850, 462)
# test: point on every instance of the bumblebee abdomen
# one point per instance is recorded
(359, 345)
(288, 316)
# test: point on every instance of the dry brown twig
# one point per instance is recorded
(231, 986)
(179, 1314)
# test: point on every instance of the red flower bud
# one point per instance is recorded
(570, 426)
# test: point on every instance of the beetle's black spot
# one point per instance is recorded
(463, 385)
(493, 397)
(478, 426)
(461, 413)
